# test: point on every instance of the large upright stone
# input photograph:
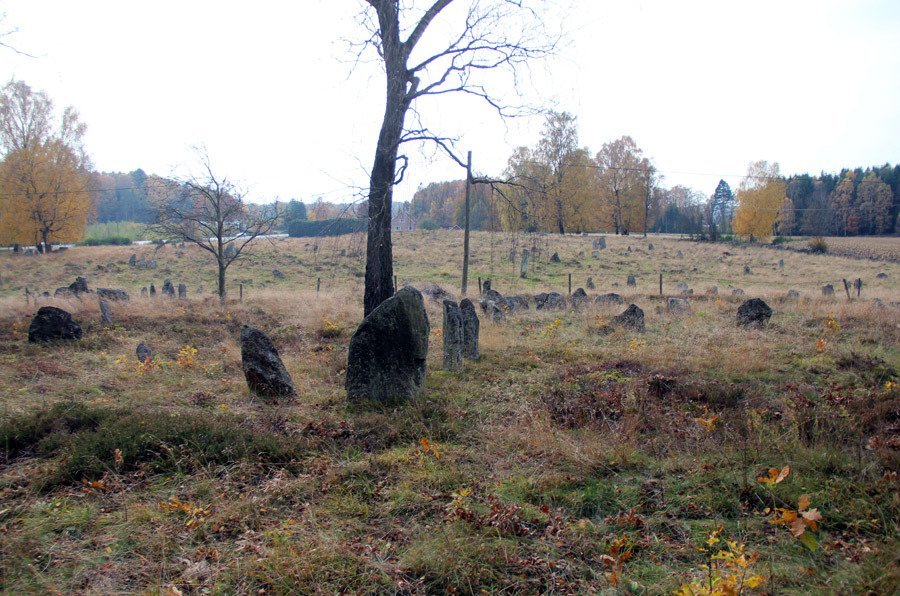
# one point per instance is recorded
(753, 313)
(632, 282)
(555, 258)
(550, 301)
(132, 260)
(52, 324)
(453, 336)
(182, 291)
(471, 328)
(168, 288)
(523, 266)
(152, 291)
(388, 351)
(590, 284)
(828, 290)
(79, 286)
(143, 352)
(265, 373)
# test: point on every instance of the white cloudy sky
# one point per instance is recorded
(704, 87)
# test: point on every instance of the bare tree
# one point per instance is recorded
(490, 35)
(209, 211)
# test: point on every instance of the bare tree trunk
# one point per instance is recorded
(45, 238)
(379, 284)
(465, 268)
(221, 282)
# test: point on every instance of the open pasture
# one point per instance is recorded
(565, 460)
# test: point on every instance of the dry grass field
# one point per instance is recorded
(565, 460)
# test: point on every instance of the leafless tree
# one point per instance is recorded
(488, 35)
(209, 211)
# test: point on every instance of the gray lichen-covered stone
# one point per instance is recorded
(590, 284)
(265, 372)
(453, 336)
(579, 297)
(113, 294)
(471, 329)
(828, 290)
(182, 291)
(678, 306)
(608, 299)
(388, 351)
(632, 282)
(754, 313)
(168, 289)
(53, 324)
(105, 315)
(549, 301)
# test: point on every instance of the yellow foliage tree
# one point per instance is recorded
(44, 177)
(759, 200)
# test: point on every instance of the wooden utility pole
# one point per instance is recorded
(465, 267)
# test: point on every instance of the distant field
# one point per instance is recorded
(567, 460)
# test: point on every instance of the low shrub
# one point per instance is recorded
(818, 246)
(109, 241)
(89, 437)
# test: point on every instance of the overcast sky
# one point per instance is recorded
(704, 87)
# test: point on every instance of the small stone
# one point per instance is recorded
(737, 292)
(712, 291)
(144, 292)
(549, 301)
(595, 254)
(828, 290)
(79, 286)
(608, 299)
(590, 284)
(793, 295)
(579, 297)
(436, 292)
(650, 246)
(265, 373)
(679, 254)
(113, 294)
(754, 313)
(53, 324)
(678, 306)
(105, 316)
(132, 260)
(781, 263)
(144, 353)
(632, 282)
(182, 291)
(881, 275)
(168, 288)
(514, 303)
(278, 274)
(747, 270)
(152, 291)
(555, 258)
(632, 318)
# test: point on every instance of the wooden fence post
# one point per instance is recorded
(660, 284)
(570, 284)
(318, 284)
(241, 293)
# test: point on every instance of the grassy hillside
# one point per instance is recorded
(566, 460)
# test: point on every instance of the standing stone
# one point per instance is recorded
(595, 254)
(555, 258)
(632, 282)
(453, 336)
(144, 292)
(265, 373)
(152, 291)
(632, 318)
(277, 274)
(678, 306)
(712, 291)
(52, 324)
(105, 316)
(514, 303)
(513, 255)
(747, 270)
(754, 313)
(682, 288)
(828, 290)
(471, 328)
(494, 310)
(881, 275)
(182, 291)
(143, 352)
(650, 246)
(168, 289)
(737, 292)
(486, 286)
(590, 284)
(132, 260)
(602, 243)
(523, 266)
(679, 255)
(781, 263)
(388, 351)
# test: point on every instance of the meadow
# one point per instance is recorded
(697, 456)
